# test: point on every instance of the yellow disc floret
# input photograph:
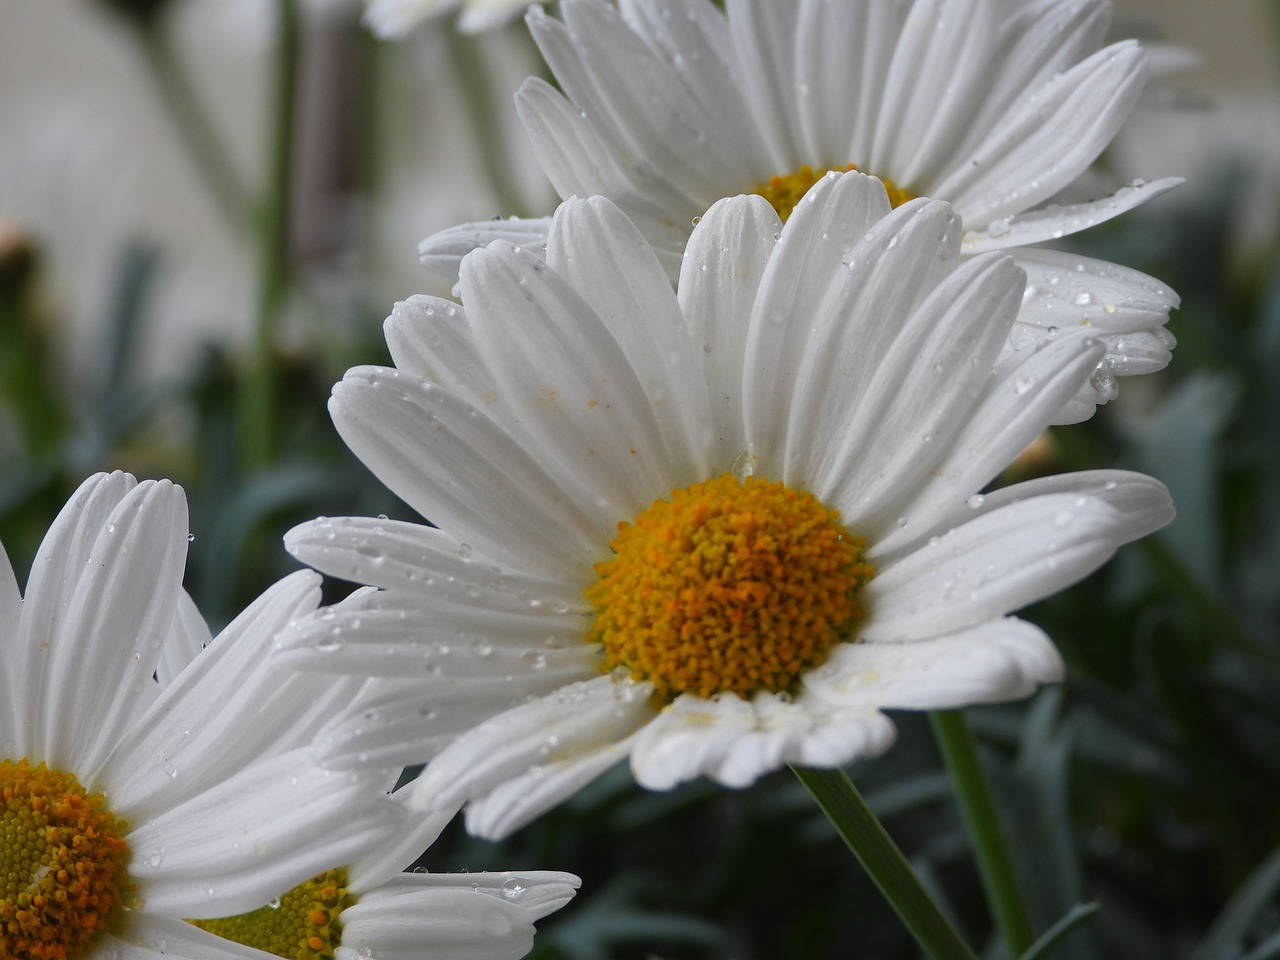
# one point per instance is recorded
(784, 192)
(727, 586)
(302, 925)
(63, 861)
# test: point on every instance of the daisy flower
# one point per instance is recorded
(394, 19)
(993, 106)
(374, 909)
(714, 530)
(370, 908)
(124, 808)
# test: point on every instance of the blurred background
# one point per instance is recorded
(139, 160)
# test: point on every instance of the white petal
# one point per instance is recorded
(721, 272)
(522, 799)
(429, 338)
(442, 252)
(231, 706)
(631, 98)
(538, 892)
(735, 741)
(409, 722)
(995, 563)
(842, 55)
(399, 555)
(888, 415)
(109, 621)
(448, 924)
(658, 108)
(570, 150)
(823, 229)
(1053, 221)
(1038, 41)
(941, 65)
(385, 863)
(763, 37)
(582, 400)
(992, 662)
(692, 39)
(267, 829)
(188, 635)
(401, 635)
(608, 262)
(1143, 502)
(1018, 406)
(579, 717)
(457, 467)
(1048, 140)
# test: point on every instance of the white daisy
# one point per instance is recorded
(991, 105)
(374, 909)
(395, 19)
(370, 908)
(715, 530)
(127, 808)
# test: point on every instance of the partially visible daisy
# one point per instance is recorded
(713, 530)
(123, 808)
(370, 907)
(992, 106)
(394, 19)
(374, 909)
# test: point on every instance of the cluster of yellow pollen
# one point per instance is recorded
(63, 863)
(784, 192)
(303, 925)
(727, 586)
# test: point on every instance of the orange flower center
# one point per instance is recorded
(727, 586)
(63, 861)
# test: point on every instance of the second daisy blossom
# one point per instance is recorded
(670, 105)
(715, 530)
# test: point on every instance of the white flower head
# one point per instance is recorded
(395, 19)
(127, 809)
(716, 529)
(995, 107)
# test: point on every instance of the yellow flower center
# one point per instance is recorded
(727, 586)
(301, 925)
(63, 864)
(784, 192)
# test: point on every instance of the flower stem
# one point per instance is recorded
(884, 862)
(275, 275)
(194, 127)
(978, 808)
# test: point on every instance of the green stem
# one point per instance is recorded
(194, 127)
(255, 408)
(978, 808)
(884, 862)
